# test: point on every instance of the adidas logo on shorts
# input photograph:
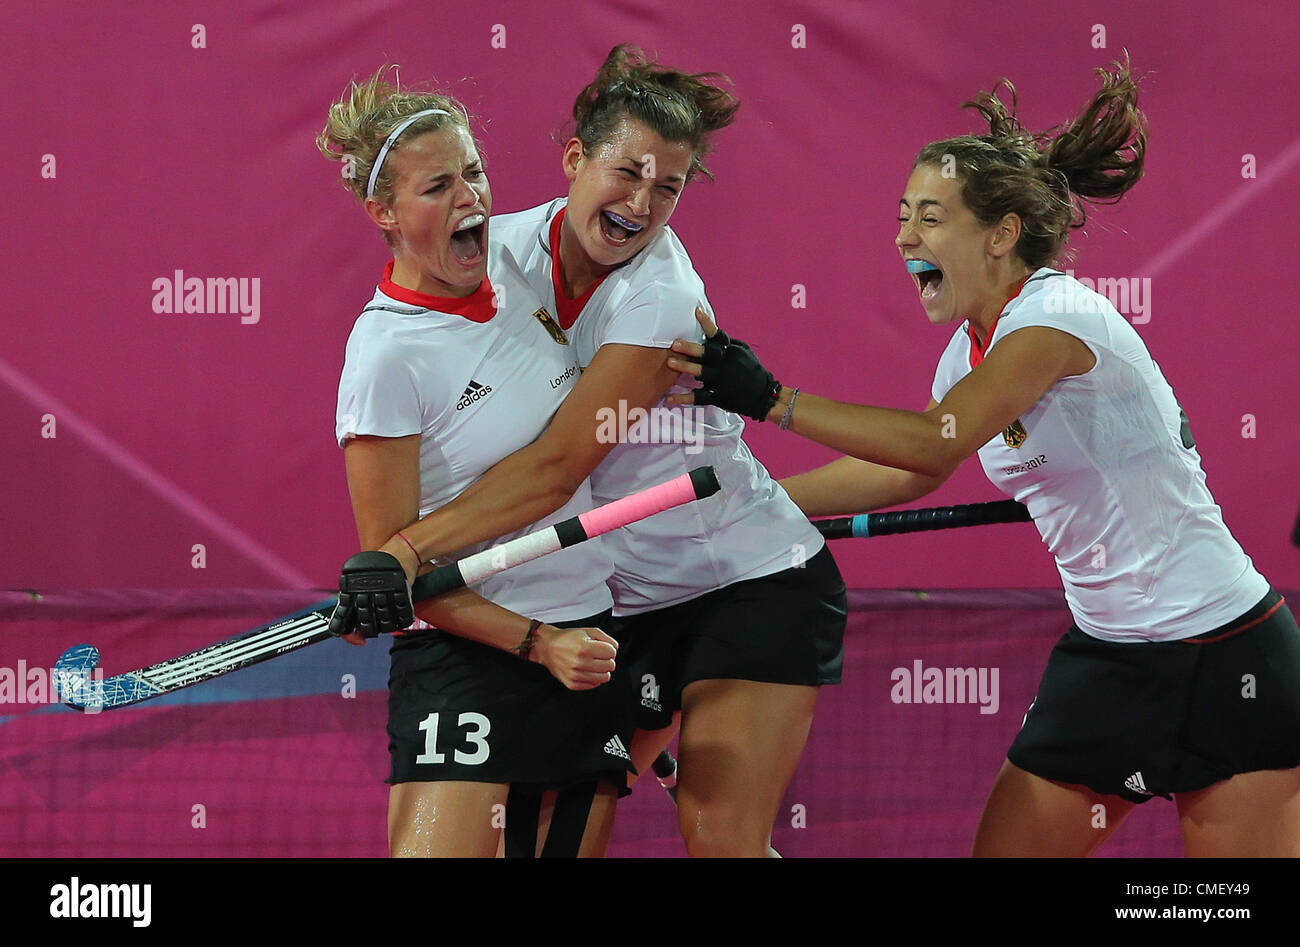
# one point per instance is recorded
(1135, 784)
(473, 391)
(650, 693)
(614, 747)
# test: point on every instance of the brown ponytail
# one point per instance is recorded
(1045, 178)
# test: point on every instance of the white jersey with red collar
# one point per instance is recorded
(1105, 463)
(751, 528)
(476, 383)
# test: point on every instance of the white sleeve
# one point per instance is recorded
(944, 375)
(1069, 308)
(377, 392)
(655, 315)
(938, 389)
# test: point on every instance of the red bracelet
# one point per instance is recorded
(418, 561)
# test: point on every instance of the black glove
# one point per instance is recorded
(374, 596)
(734, 379)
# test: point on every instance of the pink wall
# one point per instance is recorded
(175, 430)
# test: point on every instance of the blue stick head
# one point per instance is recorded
(72, 674)
(920, 266)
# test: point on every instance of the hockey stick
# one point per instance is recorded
(915, 521)
(306, 627)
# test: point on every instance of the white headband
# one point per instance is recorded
(383, 152)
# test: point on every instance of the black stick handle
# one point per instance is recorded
(921, 520)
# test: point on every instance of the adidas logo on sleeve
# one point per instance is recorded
(473, 392)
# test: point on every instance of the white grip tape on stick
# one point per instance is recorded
(489, 562)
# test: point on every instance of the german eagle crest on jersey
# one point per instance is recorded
(551, 326)
(1015, 435)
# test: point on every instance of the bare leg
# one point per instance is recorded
(740, 744)
(1251, 815)
(1027, 816)
(600, 824)
(600, 821)
(445, 819)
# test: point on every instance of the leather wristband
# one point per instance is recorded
(525, 648)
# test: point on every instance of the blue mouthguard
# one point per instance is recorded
(920, 266)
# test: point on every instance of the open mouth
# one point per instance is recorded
(618, 230)
(928, 277)
(467, 241)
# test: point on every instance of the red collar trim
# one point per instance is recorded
(566, 309)
(977, 351)
(478, 306)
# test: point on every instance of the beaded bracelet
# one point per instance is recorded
(789, 412)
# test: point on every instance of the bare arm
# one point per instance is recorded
(1017, 372)
(849, 485)
(384, 481)
(538, 479)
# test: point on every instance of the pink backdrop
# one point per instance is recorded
(175, 430)
(179, 429)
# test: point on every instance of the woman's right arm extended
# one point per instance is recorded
(850, 486)
(384, 481)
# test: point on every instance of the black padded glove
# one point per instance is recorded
(734, 379)
(374, 596)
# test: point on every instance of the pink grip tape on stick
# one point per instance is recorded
(699, 483)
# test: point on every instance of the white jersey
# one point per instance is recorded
(1105, 463)
(751, 528)
(476, 384)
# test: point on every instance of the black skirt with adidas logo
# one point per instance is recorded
(460, 710)
(1138, 720)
